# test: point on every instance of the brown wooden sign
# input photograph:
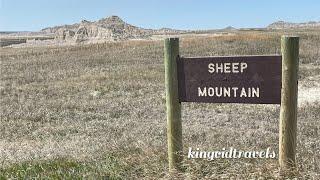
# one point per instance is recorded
(240, 79)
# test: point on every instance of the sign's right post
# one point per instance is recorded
(288, 111)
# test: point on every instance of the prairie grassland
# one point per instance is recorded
(98, 111)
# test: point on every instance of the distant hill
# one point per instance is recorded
(229, 28)
(289, 25)
(112, 28)
(8, 32)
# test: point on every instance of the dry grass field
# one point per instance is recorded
(98, 111)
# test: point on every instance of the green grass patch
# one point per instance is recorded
(109, 168)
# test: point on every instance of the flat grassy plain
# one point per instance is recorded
(98, 112)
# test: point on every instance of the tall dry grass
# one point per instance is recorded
(99, 111)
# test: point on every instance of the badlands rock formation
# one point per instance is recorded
(110, 29)
(288, 25)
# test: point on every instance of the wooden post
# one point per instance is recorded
(289, 92)
(174, 129)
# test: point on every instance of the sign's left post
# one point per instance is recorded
(174, 127)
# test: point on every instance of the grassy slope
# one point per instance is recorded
(98, 111)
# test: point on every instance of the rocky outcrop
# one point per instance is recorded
(81, 34)
(64, 34)
(110, 29)
(288, 25)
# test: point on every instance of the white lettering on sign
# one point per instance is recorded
(232, 92)
(250, 92)
(227, 67)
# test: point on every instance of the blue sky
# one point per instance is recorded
(33, 15)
